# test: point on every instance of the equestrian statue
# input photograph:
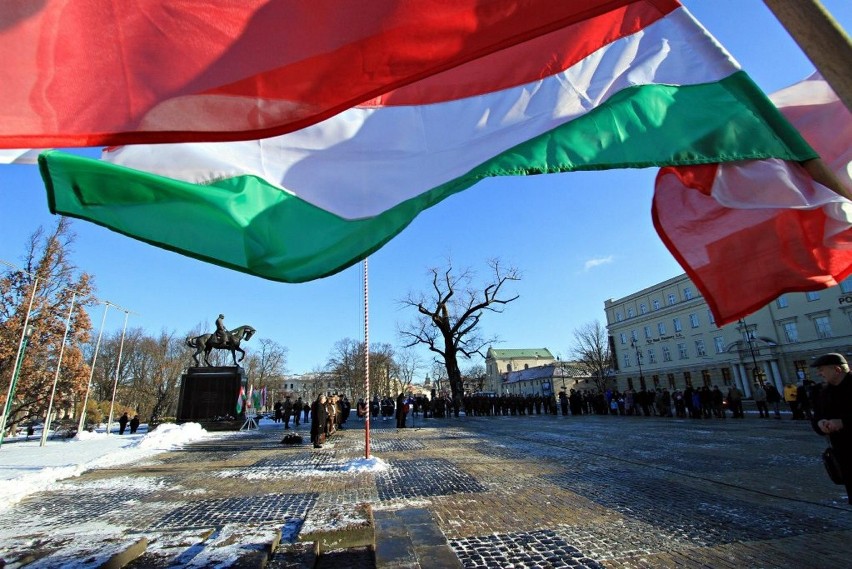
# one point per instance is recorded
(222, 339)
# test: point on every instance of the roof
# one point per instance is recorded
(533, 373)
(519, 353)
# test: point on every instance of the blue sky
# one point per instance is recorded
(578, 239)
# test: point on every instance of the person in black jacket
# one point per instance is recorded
(833, 411)
(122, 423)
(318, 417)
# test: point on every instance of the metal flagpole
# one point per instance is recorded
(366, 364)
(58, 367)
(9, 394)
(82, 422)
(117, 368)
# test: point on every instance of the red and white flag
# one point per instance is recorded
(747, 232)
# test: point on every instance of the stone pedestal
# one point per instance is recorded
(208, 395)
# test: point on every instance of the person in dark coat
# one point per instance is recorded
(134, 424)
(833, 411)
(318, 417)
(400, 411)
(122, 423)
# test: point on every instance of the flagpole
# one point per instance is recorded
(7, 407)
(117, 370)
(366, 364)
(821, 38)
(58, 367)
(82, 422)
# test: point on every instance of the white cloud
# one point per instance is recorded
(592, 263)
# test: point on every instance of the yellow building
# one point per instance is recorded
(664, 336)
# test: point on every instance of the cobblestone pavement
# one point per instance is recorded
(521, 492)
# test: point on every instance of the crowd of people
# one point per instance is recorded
(703, 402)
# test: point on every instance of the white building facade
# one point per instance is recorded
(664, 336)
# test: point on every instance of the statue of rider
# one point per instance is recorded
(221, 331)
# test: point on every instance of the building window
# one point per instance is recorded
(705, 377)
(681, 350)
(661, 328)
(719, 344)
(623, 338)
(812, 296)
(656, 303)
(687, 379)
(700, 350)
(626, 360)
(671, 379)
(791, 333)
(647, 332)
(693, 320)
(656, 380)
(508, 367)
(710, 318)
(823, 326)
(677, 325)
(667, 354)
(671, 298)
(618, 317)
(634, 336)
(652, 356)
(846, 284)
(630, 313)
(726, 376)
(643, 308)
(687, 293)
(630, 383)
(526, 366)
(781, 302)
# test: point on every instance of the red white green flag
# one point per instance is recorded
(641, 85)
(94, 72)
(747, 232)
(241, 399)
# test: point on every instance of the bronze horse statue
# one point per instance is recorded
(206, 342)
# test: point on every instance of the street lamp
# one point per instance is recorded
(28, 331)
(747, 335)
(639, 360)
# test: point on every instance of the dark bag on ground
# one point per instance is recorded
(832, 466)
(291, 439)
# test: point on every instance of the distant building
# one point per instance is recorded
(664, 336)
(500, 362)
(546, 380)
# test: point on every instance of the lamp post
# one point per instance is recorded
(639, 360)
(28, 331)
(747, 335)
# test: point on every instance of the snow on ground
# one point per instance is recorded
(26, 467)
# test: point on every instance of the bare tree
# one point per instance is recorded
(407, 365)
(449, 317)
(591, 352)
(266, 365)
(474, 378)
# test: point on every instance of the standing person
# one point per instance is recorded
(791, 397)
(278, 412)
(287, 411)
(773, 399)
(400, 411)
(833, 411)
(297, 410)
(735, 401)
(803, 396)
(760, 400)
(134, 424)
(122, 423)
(318, 417)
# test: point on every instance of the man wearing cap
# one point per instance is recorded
(833, 411)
